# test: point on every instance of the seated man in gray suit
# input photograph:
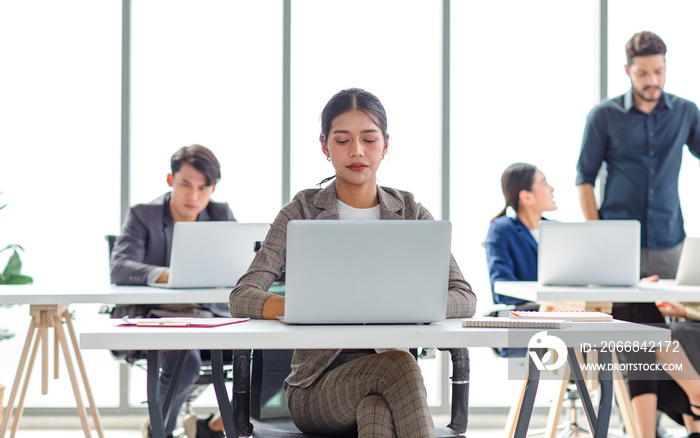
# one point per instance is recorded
(141, 256)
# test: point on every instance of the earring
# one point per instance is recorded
(328, 158)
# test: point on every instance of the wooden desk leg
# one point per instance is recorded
(56, 355)
(79, 358)
(44, 334)
(20, 404)
(82, 413)
(514, 411)
(18, 377)
(624, 402)
(550, 430)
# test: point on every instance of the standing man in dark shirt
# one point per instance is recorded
(141, 256)
(640, 136)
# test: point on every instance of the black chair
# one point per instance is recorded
(258, 377)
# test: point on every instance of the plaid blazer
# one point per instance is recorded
(247, 299)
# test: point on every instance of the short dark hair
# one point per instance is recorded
(644, 44)
(200, 158)
(516, 178)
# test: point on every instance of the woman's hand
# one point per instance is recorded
(651, 279)
(273, 307)
(671, 308)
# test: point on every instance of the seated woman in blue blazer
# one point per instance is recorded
(511, 243)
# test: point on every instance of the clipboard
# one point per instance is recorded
(179, 322)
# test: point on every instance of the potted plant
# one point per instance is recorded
(11, 274)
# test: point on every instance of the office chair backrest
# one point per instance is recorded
(111, 239)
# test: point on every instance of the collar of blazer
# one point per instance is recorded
(326, 200)
(524, 232)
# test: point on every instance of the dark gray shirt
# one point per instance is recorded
(643, 157)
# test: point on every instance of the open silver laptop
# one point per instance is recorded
(688, 273)
(689, 265)
(366, 272)
(212, 254)
(599, 253)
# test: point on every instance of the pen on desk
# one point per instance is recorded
(163, 324)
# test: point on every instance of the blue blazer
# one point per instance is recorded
(511, 255)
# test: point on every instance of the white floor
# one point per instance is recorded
(129, 427)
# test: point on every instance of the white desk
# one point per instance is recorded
(48, 294)
(647, 293)
(261, 334)
(600, 299)
(49, 310)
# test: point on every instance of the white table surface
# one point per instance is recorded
(51, 294)
(265, 334)
(644, 293)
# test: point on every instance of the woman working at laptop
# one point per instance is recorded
(376, 394)
(511, 251)
(511, 242)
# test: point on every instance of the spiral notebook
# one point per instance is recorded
(573, 315)
(502, 322)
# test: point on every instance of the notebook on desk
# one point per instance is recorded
(366, 272)
(212, 254)
(598, 253)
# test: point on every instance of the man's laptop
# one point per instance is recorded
(688, 273)
(212, 254)
(598, 253)
(366, 272)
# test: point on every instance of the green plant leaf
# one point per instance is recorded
(20, 279)
(11, 246)
(14, 265)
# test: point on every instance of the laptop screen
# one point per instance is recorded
(367, 271)
(603, 253)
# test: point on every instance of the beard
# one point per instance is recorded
(640, 93)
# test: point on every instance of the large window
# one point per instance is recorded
(524, 76)
(59, 106)
(59, 111)
(390, 48)
(209, 73)
(672, 23)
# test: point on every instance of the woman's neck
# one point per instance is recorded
(531, 219)
(357, 196)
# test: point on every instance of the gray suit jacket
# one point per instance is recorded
(249, 296)
(146, 239)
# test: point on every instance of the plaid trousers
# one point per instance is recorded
(373, 395)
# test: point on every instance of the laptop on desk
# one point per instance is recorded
(366, 272)
(212, 254)
(592, 253)
(688, 273)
